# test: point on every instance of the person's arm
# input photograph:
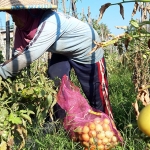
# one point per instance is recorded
(46, 35)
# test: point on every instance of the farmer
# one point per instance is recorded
(69, 40)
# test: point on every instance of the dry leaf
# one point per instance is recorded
(121, 10)
(148, 8)
(10, 141)
(136, 108)
(144, 13)
(140, 6)
(143, 95)
(102, 10)
(21, 132)
(97, 45)
(121, 27)
(126, 43)
(135, 8)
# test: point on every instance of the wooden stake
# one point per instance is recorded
(7, 36)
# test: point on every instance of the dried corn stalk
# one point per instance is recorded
(144, 97)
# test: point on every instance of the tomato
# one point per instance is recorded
(109, 134)
(93, 147)
(92, 133)
(105, 140)
(105, 127)
(86, 144)
(144, 120)
(114, 139)
(98, 128)
(100, 147)
(85, 137)
(92, 126)
(80, 137)
(97, 120)
(99, 142)
(91, 140)
(107, 121)
(78, 130)
(85, 129)
(101, 135)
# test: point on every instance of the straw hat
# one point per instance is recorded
(25, 4)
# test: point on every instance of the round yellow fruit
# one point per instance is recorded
(144, 120)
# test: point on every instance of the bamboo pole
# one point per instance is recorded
(64, 6)
(73, 6)
(7, 36)
(89, 13)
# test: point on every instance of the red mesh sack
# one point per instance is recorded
(93, 128)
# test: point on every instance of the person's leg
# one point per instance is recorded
(93, 79)
(58, 66)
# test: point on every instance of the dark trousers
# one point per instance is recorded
(92, 77)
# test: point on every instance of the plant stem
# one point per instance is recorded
(131, 1)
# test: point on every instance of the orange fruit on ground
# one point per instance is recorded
(144, 120)
(92, 133)
(85, 129)
(92, 126)
(85, 137)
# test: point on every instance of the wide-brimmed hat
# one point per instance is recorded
(25, 4)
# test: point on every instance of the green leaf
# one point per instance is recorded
(30, 112)
(49, 99)
(134, 23)
(26, 117)
(144, 56)
(4, 96)
(23, 111)
(15, 106)
(21, 86)
(3, 114)
(14, 119)
(144, 23)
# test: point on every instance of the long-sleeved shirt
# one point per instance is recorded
(57, 33)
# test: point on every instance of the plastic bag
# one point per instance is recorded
(93, 128)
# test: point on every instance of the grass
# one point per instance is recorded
(122, 95)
